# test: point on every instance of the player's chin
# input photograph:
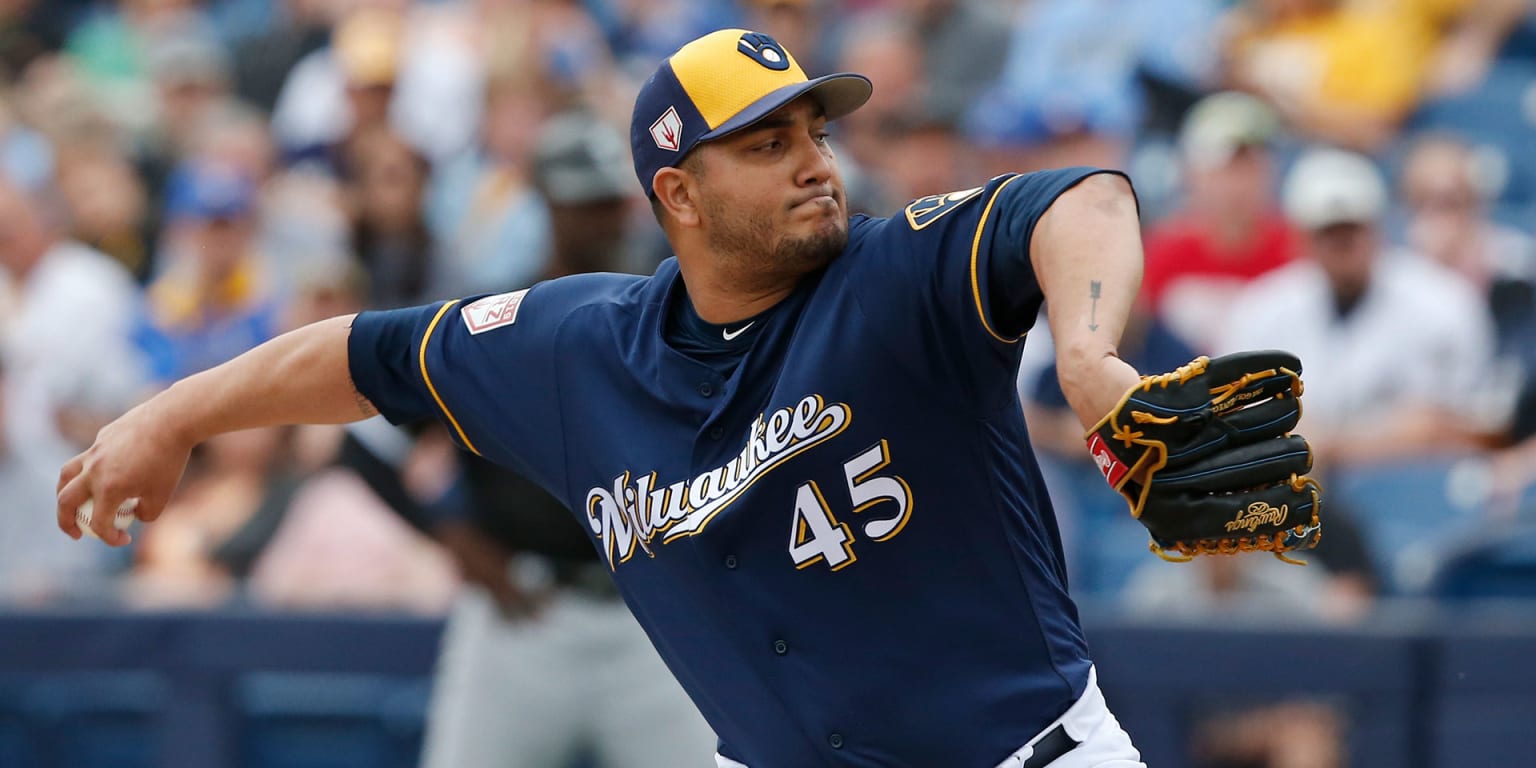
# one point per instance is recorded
(815, 249)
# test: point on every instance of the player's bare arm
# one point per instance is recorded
(298, 378)
(1087, 256)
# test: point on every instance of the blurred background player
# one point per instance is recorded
(542, 661)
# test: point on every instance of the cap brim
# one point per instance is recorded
(838, 95)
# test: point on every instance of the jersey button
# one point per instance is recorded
(706, 389)
(730, 562)
(836, 740)
(780, 647)
(715, 433)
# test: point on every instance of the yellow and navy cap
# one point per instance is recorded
(720, 83)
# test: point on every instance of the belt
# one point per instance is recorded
(1055, 743)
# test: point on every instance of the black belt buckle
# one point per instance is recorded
(1055, 743)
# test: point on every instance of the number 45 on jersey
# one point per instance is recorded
(816, 535)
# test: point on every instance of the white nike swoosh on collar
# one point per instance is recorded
(731, 335)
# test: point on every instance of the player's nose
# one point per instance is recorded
(816, 164)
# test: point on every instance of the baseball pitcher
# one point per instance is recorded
(797, 446)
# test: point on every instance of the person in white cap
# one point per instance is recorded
(1229, 229)
(1395, 346)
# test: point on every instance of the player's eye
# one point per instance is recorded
(769, 146)
(821, 136)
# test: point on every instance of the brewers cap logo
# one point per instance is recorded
(667, 131)
(763, 50)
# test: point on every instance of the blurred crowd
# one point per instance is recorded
(181, 180)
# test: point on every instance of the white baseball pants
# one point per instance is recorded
(1102, 743)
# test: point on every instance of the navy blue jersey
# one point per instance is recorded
(841, 545)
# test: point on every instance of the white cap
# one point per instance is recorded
(1331, 186)
(1223, 123)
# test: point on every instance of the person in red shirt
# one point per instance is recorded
(1229, 230)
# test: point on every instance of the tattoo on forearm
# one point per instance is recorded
(1094, 288)
(363, 404)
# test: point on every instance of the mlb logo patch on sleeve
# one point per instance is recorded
(492, 311)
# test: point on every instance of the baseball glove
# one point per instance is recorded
(1205, 457)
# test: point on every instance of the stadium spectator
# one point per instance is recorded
(340, 92)
(423, 71)
(236, 137)
(1225, 586)
(263, 59)
(389, 230)
(493, 226)
(925, 155)
(299, 527)
(338, 546)
(1347, 72)
(882, 49)
(71, 365)
(1229, 230)
(1468, 35)
(1446, 199)
(174, 564)
(26, 156)
(113, 48)
(27, 32)
(34, 567)
(192, 89)
(191, 78)
(1069, 93)
(1354, 311)
(106, 204)
(212, 300)
(964, 46)
(875, 177)
(1296, 733)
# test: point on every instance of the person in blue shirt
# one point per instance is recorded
(212, 301)
(797, 446)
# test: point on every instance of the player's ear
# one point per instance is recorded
(677, 192)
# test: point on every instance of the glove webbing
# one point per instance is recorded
(1275, 545)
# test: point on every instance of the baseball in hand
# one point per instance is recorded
(121, 521)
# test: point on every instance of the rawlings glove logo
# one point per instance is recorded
(1110, 467)
(1257, 514)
